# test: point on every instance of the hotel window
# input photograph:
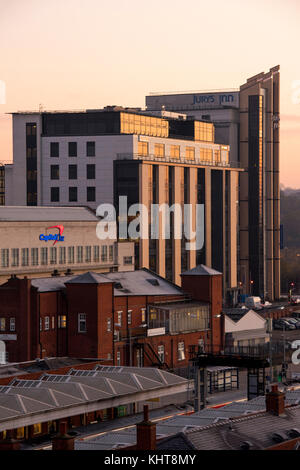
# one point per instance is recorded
(91, 172)
(91, 194)
(34, 256)
(111, 253)
(54, 172)
(25, 256)
(119, 322)
(4, 258)
(62, 321)
(96, 253)
(2, 324)
(190, 153)
(103, 253)
(143, 315)
(181, 353)
(71, 254)
(47, 323)
(73, 194)
(79, 254)
(159, 150)
(161, 353)
(54, 194)
(62, 255)
(15, 256)
(129, 317)
(72, 172)
(53, 323)
(81, 323)
(90, 149)
(143, 148)
(12, 324)
(127, 260)
(53, 256)
(88, 254)
(72, 149)
(54, 149)
(44, 256)
(175, 151)
(109, 324)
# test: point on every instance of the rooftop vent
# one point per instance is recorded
(278, 437)
(118, 285)
(154, 282)
(246, 445)
(295, 432)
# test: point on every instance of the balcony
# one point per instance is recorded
(181, 159)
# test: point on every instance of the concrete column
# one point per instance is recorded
(208, 216)
(192, 195)
(144, 198)
(162, 199)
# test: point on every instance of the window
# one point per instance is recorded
(20, 433)
(104, 253)
(111, 253)
(54, 149)
(190, 153)
(143, 315)
(91, 194)
(109, 324)
(53, 256)
(47, 323)
(96, 253)
(143, 148)
(72, 172)
(79, 254)
(25, 256)
(41, 324)
(2, 324)
(44, 256)
(90, 149)
(34, 256)
(181, 352)
(88, 254)
(71, 254)
(53, 323)
(37, 428)
(118, 358)
(73, 194)
(161, 353)
(54, 172)
(159, 150)
(62, 255)
(62, 321)
(81, 323)
(119, 322)
(129, 317)
(91, 172)
(72, 149)
(54, 195)
(175, 151)
(12, 324)
(15, 256)
(127, 260)
(4, 258)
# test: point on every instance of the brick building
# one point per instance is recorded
(124, 318)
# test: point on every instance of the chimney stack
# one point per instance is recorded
(146, 433)
(63, 441)
(275, 401)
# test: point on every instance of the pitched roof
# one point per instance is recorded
(201, 270)
(88, 278)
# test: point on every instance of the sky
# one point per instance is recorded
(78, 54)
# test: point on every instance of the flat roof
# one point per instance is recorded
(46, 214)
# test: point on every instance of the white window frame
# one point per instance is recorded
(161, 352)
(12, 324)
(181, 351)
(119, 322)
(47, 323)
(82, 320)
(108, 324)
(129, 317)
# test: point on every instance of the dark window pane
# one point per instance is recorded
(72, 172)
(91, 194)
(54, 149)
(54, 194)
(72, 149)
(73, 194)
(90, 149)
(55, 172)
(90, 172)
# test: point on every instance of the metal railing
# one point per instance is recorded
(168, 159)
(255, 352)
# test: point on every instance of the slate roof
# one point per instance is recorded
(201, 270)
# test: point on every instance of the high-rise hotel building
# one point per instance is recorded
(96, 156)
(247, 119)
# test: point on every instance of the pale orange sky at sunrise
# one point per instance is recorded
(77, 54)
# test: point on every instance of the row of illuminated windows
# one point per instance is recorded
(129, 318)
(73, 194)
(72, 149)
(145, 125)
(206, 154)
(180, 352)
(72, 172)
(5, 321)
(48, 323)
(20, 257)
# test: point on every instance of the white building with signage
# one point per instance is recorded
(41, 241)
